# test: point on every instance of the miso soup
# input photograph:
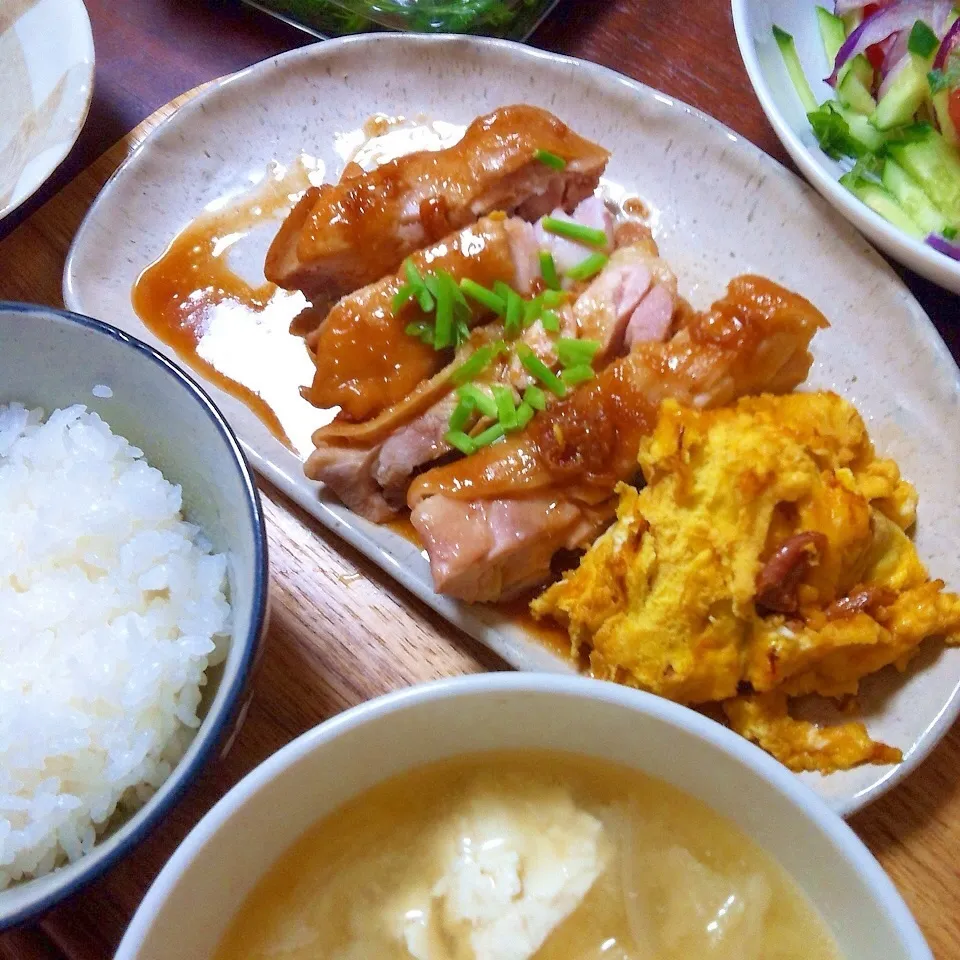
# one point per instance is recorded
(519, 855)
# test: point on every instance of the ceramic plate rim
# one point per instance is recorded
(66, 145)
(918, 256)
(352, 532)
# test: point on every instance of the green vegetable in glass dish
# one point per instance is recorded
(511, 19)
(895, 118)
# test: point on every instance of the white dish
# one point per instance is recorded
(187, 909)
(753, 21)
(724, 208)
(46, 75)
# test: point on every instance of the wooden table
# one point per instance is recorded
(342, 631)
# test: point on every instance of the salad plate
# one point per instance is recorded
(718, 207)
(46, 74)
(754, 21)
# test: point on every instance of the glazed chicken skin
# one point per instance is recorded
(492, 522)
(366, 362)
(343, 236)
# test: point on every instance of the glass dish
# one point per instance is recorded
(510, 19)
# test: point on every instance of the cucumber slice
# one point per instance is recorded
(788, 50)
(935, 165)
(853, 94)
(911, 197)
(862, 67)
(881, 201)
(944, 120)
(902, 100)
(862, 130)
(832, 32)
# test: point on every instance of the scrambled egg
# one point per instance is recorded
(512, 872)
(766, 558)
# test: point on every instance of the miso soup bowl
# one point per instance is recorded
(197, 894)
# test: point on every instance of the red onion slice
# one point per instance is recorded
(895, 51)
(951, 40)
(944, 246)
(899, 16)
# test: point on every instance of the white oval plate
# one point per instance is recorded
(46, 77)
(753, 21)
(723, 208)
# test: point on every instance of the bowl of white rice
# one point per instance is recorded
(133, 596)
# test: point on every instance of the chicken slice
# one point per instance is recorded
(344, 236)
(366, 362)
(359, 463)
(753, 340)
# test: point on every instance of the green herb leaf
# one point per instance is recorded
(401, 297)
(833, 133)
(460, 440)
(514, 313)
(488, 436)
(531, 311)
(535, 397)
(575, 231)
(950, 233)
(506, 410)
(483, 296)
(550, 321)
(524, 415)
(461, 415)
(474, 365)
(479, 398)
(588, 268)
(579, 374)
(550, 159)
(923, 41)
(539, 370)
(548, 269)
(575, 353)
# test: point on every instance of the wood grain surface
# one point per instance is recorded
(341, 631)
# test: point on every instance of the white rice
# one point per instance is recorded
(111, 609)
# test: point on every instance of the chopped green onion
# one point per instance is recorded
(421, 330)
(588, 268)
(950, 233)
(553, 298)
(531, 311)
(501, 289)
(488, 436)
(550, 321)
(574, 375)
(540, 371)
(443, 328)
(461, 414)
(482, 295)
(432, 282)
(463, 443)
(514, 314)
(475, 364)
(923, 41)
(524, 415)
(575, 353)
(480, 399)
(401, 297)
(535, 397)
(506, 411)
(420, 291)
(549, 270)
(501, 347)
(575, 231)
(550, 159)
